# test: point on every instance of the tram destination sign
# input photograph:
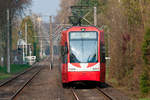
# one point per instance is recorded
(83, 35)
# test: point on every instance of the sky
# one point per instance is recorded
(45, 7)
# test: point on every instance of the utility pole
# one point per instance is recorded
(95, 16)
(51, 42)
(39, 33)
(8, 42)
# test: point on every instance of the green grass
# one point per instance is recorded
(4, 76)
(107, 73)
(14, 70)
(112, 80)
(18, 68)
(145, 99)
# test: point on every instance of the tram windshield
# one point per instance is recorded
(83, 47)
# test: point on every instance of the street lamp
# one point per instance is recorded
(39, 19)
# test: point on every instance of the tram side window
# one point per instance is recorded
(64, 52)
(102, 52)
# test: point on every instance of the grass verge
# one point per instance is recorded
(14, 70)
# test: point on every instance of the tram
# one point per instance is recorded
(82, 55)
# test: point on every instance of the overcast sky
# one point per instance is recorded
(45, 7)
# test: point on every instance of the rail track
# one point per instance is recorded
(90, 94)
(12, 87)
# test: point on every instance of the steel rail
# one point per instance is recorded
(74, 94)
(108, 97)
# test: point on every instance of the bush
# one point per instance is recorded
(146, 47)
(145, 77)
(144, 84)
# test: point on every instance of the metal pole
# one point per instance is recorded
(26, 37)
(30, 50)
(23, 53)
(41, 49)
(95, 16)
(51, 42)
(8, 42)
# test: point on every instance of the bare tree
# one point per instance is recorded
(16, 8)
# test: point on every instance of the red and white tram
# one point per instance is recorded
(82, 55)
